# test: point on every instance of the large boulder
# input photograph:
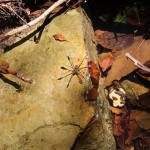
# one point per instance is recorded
(45, 115)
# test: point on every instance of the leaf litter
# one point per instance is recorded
(123, 66)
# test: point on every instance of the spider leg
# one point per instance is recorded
(80, 73)
(80, 80)
(81, 62)
(69, 81)
(64, 68)
(70, 62)
(64, 76)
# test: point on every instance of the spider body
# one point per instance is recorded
(73, 70)
(76, 71)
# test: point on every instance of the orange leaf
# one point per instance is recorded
(105, 61)
(59, 37)
(94, 73)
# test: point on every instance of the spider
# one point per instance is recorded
(73, 70)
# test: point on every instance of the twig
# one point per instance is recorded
(31, 23)
(138, 63)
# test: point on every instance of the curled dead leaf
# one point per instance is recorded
(94, 73)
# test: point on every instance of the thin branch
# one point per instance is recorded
(31, 23)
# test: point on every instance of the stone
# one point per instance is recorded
(45, 115)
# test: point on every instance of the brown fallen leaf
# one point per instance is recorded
(94, 73)
(145, 74)
(59, 37)
(144, 100)
(116, 110)
(133, 131)
(117, 129)
(105, 60)
(142, 118)
(36, 13)
(92, 94)
(113, 40)
(123, 66)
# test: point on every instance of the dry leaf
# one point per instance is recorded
(144, 100)
(113, 40)
(147, 77)
(145, 74)
(59, 37)
(105, 60)
(36, 13)
(142, 118)
(92, 94)
(133, 131)
(123, 66)
(117, 129)
(99, 32)
(94, 73)
(116, 110)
